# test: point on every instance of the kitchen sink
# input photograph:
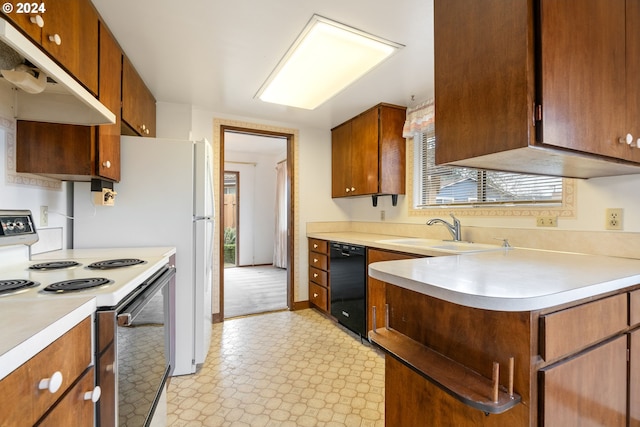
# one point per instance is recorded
(442, 245)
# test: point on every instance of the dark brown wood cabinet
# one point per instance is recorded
(575, 365)
(107, 162)
(368, 153)
(528, 86)
(138, 103)
(24, 404)
(319, 282)
(376, 289)
(69, 33)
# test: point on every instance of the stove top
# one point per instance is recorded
(54, 265)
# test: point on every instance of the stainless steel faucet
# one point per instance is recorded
(454, 228)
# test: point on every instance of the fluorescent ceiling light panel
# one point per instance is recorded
(326, 58)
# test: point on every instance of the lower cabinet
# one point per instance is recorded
(634, 378)
(26, 399)
(376, 289)
(319, 289)
(587, 390)
(77, 407)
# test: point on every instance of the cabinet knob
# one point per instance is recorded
(110, 367)
(93, 395)
(315, 295)
(315, 275)
(626, 139)
(37, 19)
(106, 164)
(353, 189)
(315, 246)
(315, 260)
(52, 384)
(347, 190)
(55, 39)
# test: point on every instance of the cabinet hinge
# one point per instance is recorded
(537, 113)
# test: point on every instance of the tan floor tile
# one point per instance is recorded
(282, 369)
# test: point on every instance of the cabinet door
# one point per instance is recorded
(341, 160)
(76, 25)
(108, 150)
(376, 289)
(588, 390)
(364, 153)
(138, 104)
(583, 74)
(23, 21)
(633, 74)
(634, 378)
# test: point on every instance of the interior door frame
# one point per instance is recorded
(290, 209)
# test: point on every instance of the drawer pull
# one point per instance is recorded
(315, 260)
(55, 39)
(94, 395)
(315, 246)
(315, 295)
(52, 384)
(315, 275)
(37, 19)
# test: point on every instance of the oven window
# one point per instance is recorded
(143, 361)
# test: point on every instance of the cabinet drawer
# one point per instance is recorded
(73, 409)
(317, 245)
(22, 402)
(567, 331)
(634, 308)
(318, 276)
(318, 296)
(317, 260)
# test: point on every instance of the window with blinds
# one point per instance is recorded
(446, 185)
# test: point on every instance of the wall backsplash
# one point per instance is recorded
(621, 244)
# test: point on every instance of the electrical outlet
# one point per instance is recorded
(547, 221)
(382, 215)
(44, 216)
(613, 219)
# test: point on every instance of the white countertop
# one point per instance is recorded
(30, 326)
(511, 279)
(140, 252)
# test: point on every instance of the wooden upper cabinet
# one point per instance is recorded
(138, 103)
(368, 153)
(69, 33)
(108, 138)
(534, 89)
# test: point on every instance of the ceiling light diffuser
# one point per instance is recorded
(324, 59)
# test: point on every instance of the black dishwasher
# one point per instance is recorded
(348, 286)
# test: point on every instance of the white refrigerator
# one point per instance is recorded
(164, 198)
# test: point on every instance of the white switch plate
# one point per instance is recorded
(44, 216)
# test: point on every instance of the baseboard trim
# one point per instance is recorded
(216, 318)
(300, 305)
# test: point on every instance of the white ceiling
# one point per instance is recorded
(215, 54)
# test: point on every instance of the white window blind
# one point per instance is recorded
(445, 185)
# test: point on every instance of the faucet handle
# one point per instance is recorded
(505, 242)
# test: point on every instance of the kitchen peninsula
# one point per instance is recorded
(567, 320)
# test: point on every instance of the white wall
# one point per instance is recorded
(257, 205)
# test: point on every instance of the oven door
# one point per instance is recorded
(143, 349)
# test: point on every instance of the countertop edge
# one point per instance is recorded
(21, 353)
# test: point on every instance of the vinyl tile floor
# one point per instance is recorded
(281, 369)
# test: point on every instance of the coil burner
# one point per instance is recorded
(14, 285)
(54, 265)
(76, 285)
(115, 263)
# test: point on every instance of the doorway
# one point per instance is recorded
(259, 277)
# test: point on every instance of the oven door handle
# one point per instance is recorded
(131, 310)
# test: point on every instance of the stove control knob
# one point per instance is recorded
(52, 384)
(94, 395)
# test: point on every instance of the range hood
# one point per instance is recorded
(63, 100)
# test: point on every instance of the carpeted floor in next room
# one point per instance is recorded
(281, 369)
(256, 289)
